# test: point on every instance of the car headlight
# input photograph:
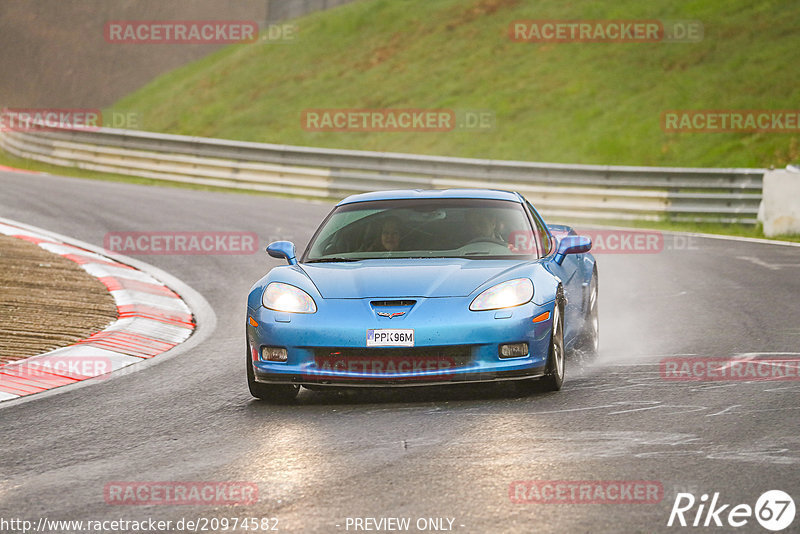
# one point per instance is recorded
(285, 298)
(504, 295)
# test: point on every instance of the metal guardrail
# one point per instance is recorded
(558, 190)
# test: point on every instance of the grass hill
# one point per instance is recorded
(557, 102)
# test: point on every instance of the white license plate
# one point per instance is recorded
(390, 337)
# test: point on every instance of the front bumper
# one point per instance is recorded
(455, 345)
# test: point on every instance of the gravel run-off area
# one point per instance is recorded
(46, 301)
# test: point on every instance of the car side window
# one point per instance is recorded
(542, 236)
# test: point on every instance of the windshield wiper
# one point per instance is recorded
(332, 260)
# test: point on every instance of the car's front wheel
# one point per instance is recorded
(554, 376)
(277, 393)
(554, 371)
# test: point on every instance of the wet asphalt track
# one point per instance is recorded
(414, 453)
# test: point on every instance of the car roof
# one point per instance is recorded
(402, 194)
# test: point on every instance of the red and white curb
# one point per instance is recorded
(4, 168)
(152, 319)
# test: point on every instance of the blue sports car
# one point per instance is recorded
(404, 288)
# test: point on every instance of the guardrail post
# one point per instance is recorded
(780, 204)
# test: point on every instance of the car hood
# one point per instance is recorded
(450, 277)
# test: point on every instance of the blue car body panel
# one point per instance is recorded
(430, 296)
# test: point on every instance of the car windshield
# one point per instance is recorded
(423, 228)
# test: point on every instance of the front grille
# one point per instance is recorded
(458, 355)
(392, 303)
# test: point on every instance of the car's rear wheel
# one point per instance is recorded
(589, 343)
(277, 393)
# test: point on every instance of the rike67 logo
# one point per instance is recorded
(774, 510)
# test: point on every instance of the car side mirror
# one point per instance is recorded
(283, 249)
(572, 244)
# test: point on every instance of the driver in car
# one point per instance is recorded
(483, 227)
(389, 238)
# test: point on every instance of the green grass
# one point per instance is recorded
(595, 103)
(573, 102)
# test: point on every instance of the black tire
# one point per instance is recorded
(554, 376)
(554, 371)
(277, 393)
(589, 342)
